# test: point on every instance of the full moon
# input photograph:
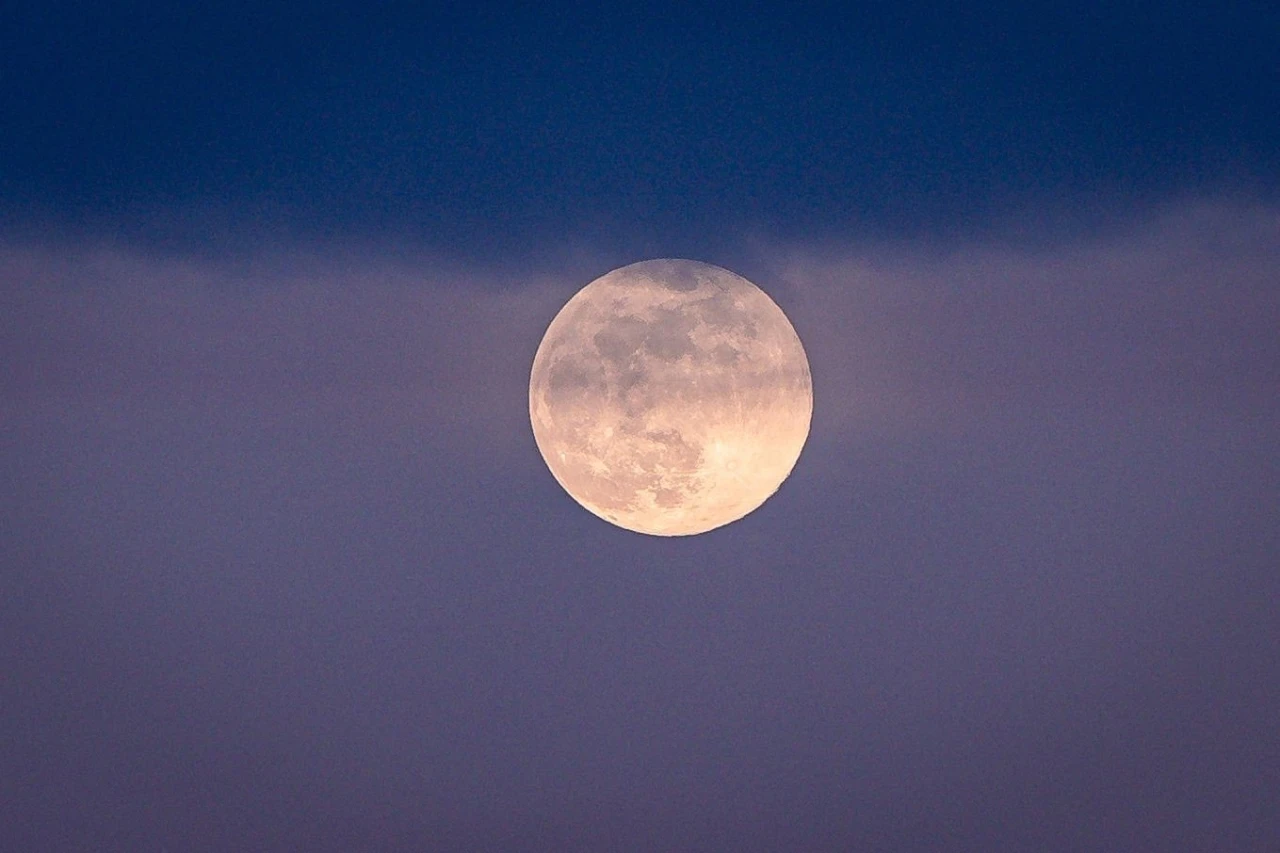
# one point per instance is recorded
(670, 397)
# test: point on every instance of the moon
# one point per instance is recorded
(670, 397)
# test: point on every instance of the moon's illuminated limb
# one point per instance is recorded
(670, 397)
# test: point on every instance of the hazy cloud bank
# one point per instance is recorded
(1178, 308)
(276, 532)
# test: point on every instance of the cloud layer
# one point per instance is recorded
(285, 567)
(1177, 306)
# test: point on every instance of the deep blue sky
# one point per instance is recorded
(281, 568)
(481, 126)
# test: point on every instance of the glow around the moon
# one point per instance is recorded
(670, 397)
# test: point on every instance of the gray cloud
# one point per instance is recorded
(1180, 306)
(1174, 307)
(275, 531)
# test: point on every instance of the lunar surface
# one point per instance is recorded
(670, 397)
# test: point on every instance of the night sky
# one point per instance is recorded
(281, 567)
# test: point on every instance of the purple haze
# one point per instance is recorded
(284, 570)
